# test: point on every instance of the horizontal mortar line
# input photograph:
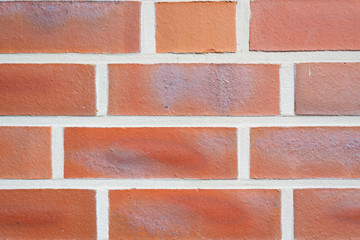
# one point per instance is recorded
(179, 121)
(122, 0)
(151, 58)
(177, 184)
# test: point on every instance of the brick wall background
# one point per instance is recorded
(180, 120)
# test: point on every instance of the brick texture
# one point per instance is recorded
(301, 25)
(327, 213)
(208, 153)
(305, 152)
(195, 214)
(193, 89)
(198, 27)
(47, 89)
(25, 152)
(47, 214)
(84, 27)
(179, 120)
(327, 89)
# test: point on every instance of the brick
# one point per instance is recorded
(25, 152)
(193, 89)
(194, 214)
(47, 214)
(47, 89)
(305, 152)
(298, 25)
(207, 153)
(327, 89)
(327, 213)
(81, 27)
(189, 27)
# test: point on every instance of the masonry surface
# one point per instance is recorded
(185, 120)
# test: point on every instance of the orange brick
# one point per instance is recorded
(194, 214)
(305, 152)
(47, 214)
(25, 152)
(303, 25)
(185, 27)
(327, 213)
(327, 89)
(47, 89)
(208, 153)
(84, 27)
(194, 89)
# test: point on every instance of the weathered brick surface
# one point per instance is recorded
(202, 27)
(63, 26)
(194, 89)
(327, 89)
(25, 152)
(195, 214)
(208, 153)
(326, 213)
(305, 152)
(301, 25)
(47, 214)
(47, 89)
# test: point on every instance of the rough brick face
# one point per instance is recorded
(185, 27)
(304, 25)
(25, 152)
(194, 214)
(327, 89)
(193, 89)
(47, 214)
(150, 153)
(327, 213)
(305, 152)
(84, 27)
(47, 89)
(188, 120)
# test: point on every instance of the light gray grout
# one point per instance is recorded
(148, 44)
(102, 214)
(102, 89)
(287, 86)
(287, 214)
(244, 153)
(243, 25)
(57, 152)
(102, 184)
(250, 57)
(180, 121)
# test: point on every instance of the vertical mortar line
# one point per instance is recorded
(102, 89)
(244, 153)
(102, 214)
(287, 89)
(242, 25)
(57, 152)
(148, 44)
(287, 214)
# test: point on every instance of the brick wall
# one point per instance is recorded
(180, 120)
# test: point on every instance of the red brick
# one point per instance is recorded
(47, 89)
(305, 152)
(194, 89)
(208, 153)
(185, 27)
(304, 25)
(327, 213)
(84, 27)
(327, 89)
(25, 152)
(47, 214)
(195, 214)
